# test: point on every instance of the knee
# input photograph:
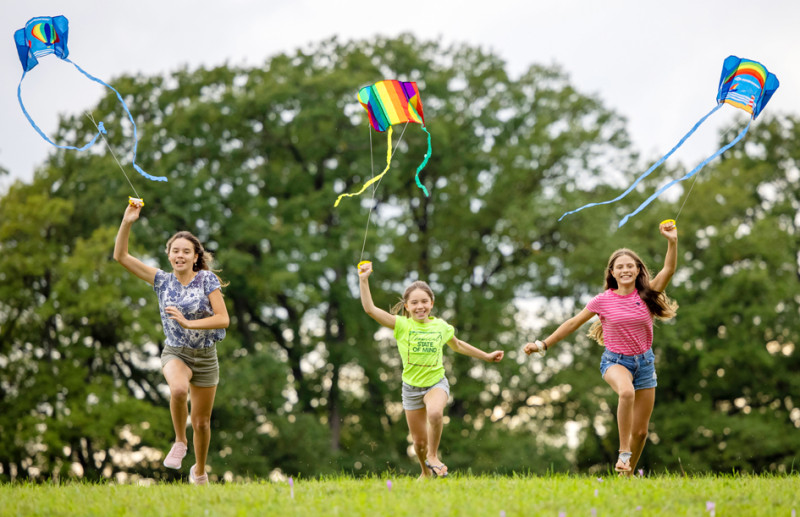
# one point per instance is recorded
(640, 434)
(435, 417)
(201, 423)
(179, 392)
(627, 395)
(421, 444)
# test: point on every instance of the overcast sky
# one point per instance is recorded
(657, 63)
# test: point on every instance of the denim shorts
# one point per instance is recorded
(201, 361)
(641, 366)
(413, 396)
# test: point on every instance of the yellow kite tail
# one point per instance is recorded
(379, 176)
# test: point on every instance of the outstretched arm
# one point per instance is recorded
(462, 347)
(670, 232)
(379, 315)
(564, 330)
(121, 255)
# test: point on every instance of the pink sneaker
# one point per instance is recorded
(176, 454)
(197, 480)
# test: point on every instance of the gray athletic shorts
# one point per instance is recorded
(413, 396)
(202, 361)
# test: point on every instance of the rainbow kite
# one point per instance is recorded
(744, 84)
(388, 103)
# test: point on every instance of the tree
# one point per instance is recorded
(309, 385)
(255, 159)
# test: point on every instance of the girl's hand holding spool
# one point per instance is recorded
(364, 268)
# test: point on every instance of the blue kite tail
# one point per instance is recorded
(687, 176)
(100, 128)
(423, 164)
(651, 169)
(130, 117)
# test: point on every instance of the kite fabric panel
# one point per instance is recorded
(388, 103)
(45, 35)
(391, 102)
(744, 84)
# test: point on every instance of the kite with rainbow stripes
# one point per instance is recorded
(744, 84)
(388, 103)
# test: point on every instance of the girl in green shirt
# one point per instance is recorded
(420, 340)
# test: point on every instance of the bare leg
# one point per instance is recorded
(202, 404)
(621, 381)
(417, 425)
(435, 400)
(642, 409)
(178, 376)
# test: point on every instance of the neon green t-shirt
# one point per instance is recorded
(420, 346)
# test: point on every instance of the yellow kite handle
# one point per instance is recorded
(134, 200)
(669, 221)
(361, 264)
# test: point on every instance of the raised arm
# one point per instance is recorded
(670, 232)
(462, 347)
(121, 255)
(564, 330)
(379, 315)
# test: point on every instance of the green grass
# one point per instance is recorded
(458, 495)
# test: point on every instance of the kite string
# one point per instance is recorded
(685, 199)
(375, 187)
(687, 176)
(652, 167)
(689, 192)
(112, 153)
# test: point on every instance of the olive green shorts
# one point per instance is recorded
(201, 361)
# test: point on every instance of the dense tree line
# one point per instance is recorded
(309, 385)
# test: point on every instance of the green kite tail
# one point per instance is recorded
(423, 164)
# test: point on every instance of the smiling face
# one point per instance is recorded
(419, 304)
(182, 255)
(625, 270)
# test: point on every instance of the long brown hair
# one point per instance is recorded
(205, 259)
(659, 304)
(401, 305)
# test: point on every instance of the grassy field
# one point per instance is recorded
(555, 495)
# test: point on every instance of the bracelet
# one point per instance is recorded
(542, 347)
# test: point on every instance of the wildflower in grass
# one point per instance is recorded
(710, 508)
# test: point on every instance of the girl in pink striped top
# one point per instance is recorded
(626, 309)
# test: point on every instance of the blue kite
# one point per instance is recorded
(46, 35)
(744, 84)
